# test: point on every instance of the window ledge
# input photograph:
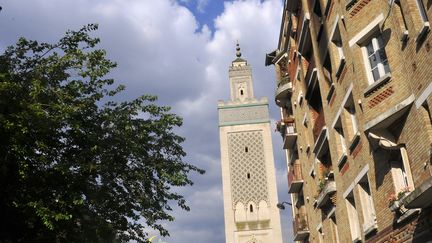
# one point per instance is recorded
(350, 4)
(358, 239)
(312, 171)
(330, 93)
(300, 98)
(424, 30)
(342, 160)
(354, 141)
(377, 84)
(408, 214)
(327, 8)
(404, 36)
(305, 120)
(370, 227)
(340, 67)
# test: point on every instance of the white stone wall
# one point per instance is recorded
(263, 224)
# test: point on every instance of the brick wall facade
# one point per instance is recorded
(387, 108)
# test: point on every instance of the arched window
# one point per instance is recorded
(251, 208)
(248, 175)
(241, 92)
(246, 149)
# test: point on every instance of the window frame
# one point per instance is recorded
(402, 179)
(378, 48)
(422, 11)
(342, 148)
(353, 219)
(336, 44)
(367, 205)
(349, 116)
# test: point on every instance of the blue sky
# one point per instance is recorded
(179, 50)
(204, 10)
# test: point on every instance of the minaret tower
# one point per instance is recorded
(248, 173)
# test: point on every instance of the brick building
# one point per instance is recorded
(354, 84)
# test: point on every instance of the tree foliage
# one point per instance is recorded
(76, 166)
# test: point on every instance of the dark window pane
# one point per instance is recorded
(370, 49)
(382, 55)
(380, 42)
(375, 74)
(373, 61)
(386, 67)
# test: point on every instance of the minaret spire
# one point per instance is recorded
(238, 53)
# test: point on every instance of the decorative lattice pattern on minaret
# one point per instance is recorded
(247, 167)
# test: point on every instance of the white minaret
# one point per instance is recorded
(248, 173)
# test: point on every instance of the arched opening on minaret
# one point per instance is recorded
(251, 208)
(246, 149)
(241, 92)
(248, 175)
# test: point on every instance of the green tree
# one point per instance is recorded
(75, 166)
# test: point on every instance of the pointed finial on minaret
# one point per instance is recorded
(238, 53)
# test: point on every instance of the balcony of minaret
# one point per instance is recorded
(300, 224)
(295, 178)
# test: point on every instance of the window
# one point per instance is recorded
(425, 107)
(400, 18)
(251, 208)
(341, 143)
(334, 229)
(327, 70)
(350, 118)
(241, 92)
(353, 217)
(248, 175)
(421, 21)
(336, 40)
(298, 74)
(422, 10)
(377, 65)
(317, 9)
(427, 119)
(341, 139)
(367, 205)
(400, 177)
(320, 234)
(246, 149)
(401, 171)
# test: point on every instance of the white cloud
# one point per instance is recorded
(201, 5)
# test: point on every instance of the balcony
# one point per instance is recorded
(299, 20)
(301, 228)
(318, 123)
(294, 21)
(283, 91)
(311, 79)
(290, 135)
(328, 188)
(292, 5)
(295, 178)
(421, 197)
(304, 38)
